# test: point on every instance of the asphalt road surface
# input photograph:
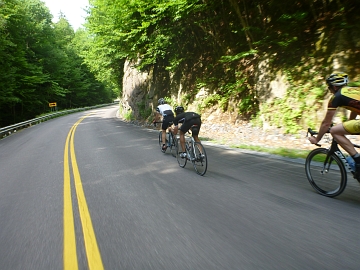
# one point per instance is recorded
(89, 191)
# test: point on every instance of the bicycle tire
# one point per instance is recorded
(160, 142)
(200, 159)
(180, 160)
(327, 179)
(173, 145)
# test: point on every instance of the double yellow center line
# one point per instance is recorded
(91, 247)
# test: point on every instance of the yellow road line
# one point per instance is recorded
(70, 258)
(91, 247)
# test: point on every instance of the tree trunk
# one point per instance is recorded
(245, 26)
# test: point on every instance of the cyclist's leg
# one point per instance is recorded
(183, 129)
(182, 141)
(164, 127)
(195, 131)
(340, 130)
(169, 120)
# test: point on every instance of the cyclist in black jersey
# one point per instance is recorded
(188, 119)
(349, 98)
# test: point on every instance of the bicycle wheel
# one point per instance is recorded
(173, 145)
(200, 159)
(180, 160)
(327, 177)
(160, 141)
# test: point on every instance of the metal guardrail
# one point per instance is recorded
(6, 131)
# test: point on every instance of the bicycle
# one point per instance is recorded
(171, 141)
(195, 152)
(326, 168)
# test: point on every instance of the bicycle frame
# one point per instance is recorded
(195, 152)
(334, 149)
(170, 137)
(330, 178)
(190, 143)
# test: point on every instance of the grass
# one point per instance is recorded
(284, 152)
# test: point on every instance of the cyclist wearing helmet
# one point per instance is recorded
(188, 119)
(348, 98)
(164, 110)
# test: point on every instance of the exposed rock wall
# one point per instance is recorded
(136, 85)
(145, 88)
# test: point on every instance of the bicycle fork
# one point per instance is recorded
(190, 151)
(169, 140)
(329, 160)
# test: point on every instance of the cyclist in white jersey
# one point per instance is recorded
(165, 111)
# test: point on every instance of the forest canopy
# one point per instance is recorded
(226, 46)
(41, 63)
(232, 48)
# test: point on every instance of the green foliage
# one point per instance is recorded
(145, 113)
(40, 63)
(318, 92)
(170, 101)
(237, 57)
(285, 152)
(248, 105)
(354, 84)
(210, 101)
(129, 116)
(214, 45)
(186, 98)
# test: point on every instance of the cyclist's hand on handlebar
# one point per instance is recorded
(313, 140)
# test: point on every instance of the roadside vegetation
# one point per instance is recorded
(202, 54)
(280, 151)
(230, 50)
(42, 62)
(284, 152)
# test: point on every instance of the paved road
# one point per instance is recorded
(108, 198)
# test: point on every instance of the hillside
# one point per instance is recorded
(257, 61)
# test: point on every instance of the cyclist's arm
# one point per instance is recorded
(325, 124)
(157, 116)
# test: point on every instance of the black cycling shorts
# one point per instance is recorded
(167, 121)
(189, 123)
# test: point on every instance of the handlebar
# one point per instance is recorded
(312, 133)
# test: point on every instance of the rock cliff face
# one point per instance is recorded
(141, 90)
(136, 89)
(145, 88)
